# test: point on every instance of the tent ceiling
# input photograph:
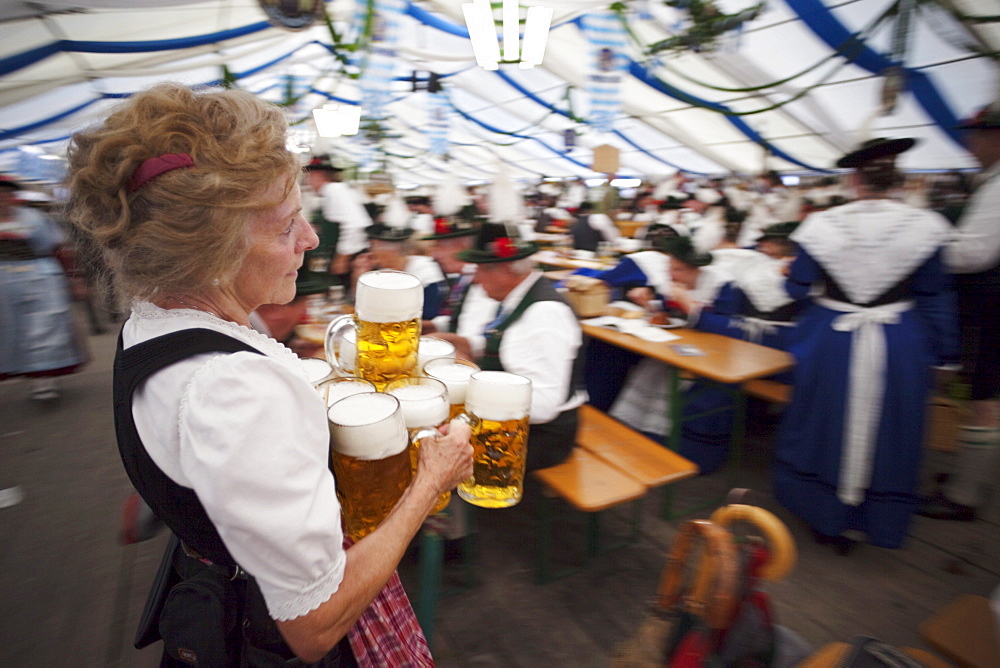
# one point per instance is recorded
(64, 61)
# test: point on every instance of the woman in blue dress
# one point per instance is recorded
(881, 315)
(36, 330)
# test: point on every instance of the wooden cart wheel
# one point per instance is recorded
(712, 595)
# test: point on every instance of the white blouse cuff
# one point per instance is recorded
(283, 605)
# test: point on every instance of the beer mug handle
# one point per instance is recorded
(468, 419)
(332, 339)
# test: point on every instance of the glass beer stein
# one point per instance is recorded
(496, 406)
(370, 457)
(455, 374)
(387, 312)
(424, 402)
(432, 348)
(335, 389)
(317, 370)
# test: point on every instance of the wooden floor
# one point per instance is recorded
(70, 595)
(510, 620)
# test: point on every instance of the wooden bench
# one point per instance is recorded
(631, 452)
(590, 485)
(769, 390)
(612, 464)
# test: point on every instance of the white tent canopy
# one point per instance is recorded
(787, 91)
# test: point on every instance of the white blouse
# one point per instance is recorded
(248, 434)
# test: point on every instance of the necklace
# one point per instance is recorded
(195, 308)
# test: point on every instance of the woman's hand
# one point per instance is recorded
(641, 296)
(681, 298)
(448, 457)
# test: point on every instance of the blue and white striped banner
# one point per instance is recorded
(380, 61)
(608, 61)
(438, 123)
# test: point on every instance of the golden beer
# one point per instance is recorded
(387, 350)
(498, 458)
(498, 404)
(424, 403)
(370, 458)
(388, 306)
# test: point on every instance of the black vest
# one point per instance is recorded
(177, 506)
(585, 237)
(543, 290)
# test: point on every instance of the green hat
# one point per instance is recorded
(778, 230)
(311, 283)
(450, 228)
(682, 249)
(496, 243)
(383, 232)
(873, 149)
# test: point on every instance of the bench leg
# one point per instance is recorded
(593, 536)
(431, 562)
(544, 574)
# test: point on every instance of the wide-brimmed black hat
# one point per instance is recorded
(451, 228)
(987, 118)
(778, 230)
(383, 232)
(323, 162)
(496, 243)
(880, 147)
(672, 203)
(682, 249)
(312, 283)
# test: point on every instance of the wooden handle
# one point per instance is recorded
(781, 545)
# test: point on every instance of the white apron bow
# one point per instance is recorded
(865, 389)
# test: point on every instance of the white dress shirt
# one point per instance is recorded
(975, 245)
(542, 345)
(248, 433)
(603, 224)
(341, 204)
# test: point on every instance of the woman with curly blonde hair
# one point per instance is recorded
(193, 199)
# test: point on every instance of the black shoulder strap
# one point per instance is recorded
(144, 359)
(178, 507)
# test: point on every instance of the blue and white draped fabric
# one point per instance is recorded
(438, 123)
(606, 34)
(379, 63)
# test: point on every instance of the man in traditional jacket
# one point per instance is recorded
(534, 334)
(973, 254)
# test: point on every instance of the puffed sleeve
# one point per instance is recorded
(254, 446)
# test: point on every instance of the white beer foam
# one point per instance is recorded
(345, 388)
(388, 296)
(422, 405)
(498, 395)
(455, 376)
(432, 348)
(348, 354)
(316, 369)
(367, 426)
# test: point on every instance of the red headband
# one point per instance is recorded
(153, 167)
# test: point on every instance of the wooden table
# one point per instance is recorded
(727, 361)
(553, 260)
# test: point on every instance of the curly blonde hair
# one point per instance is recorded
(188, 228)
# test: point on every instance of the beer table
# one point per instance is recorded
(726, 361)
(552, 259)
